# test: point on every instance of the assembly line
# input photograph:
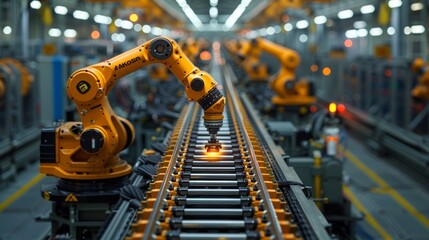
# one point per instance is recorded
(212, 119)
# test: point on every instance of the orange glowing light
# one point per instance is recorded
(326, 71)
(314, 68)
(134, 17)
(95, 34)
(313, 109)
(341, 108)
(332, 107)
(205, 56)
(348, 43)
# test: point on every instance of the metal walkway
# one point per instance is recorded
(395, 205)
(21, 204)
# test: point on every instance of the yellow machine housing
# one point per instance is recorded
(26, 76)
(288, 90)
(88, 150)
(256, 71)
(421, 90)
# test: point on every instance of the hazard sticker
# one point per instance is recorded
(71, 198)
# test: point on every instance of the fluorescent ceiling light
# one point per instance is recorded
(237, 13)
(417, 6)
(391, 30)
(263, 32)
(213, 12)
(359, 24)
(82, 15)
(118, 22)
(376, 31)
(271, 30)
(367, 9)
(320, 19)
(137, 27)
(190, 13)
(121, 37)
(417, 29)
(114, 37)
(70, 33)
(213, 3)
(102, 19)
(125, 24)
(35, 4)
(54, 32)
(394, 3)
(352, 33)
(362, 32)
(407, 30)
(288, 27)
(345, 14)
(146, 28)
(277, 29)
(7, 30)
(303, 38)
(61, 10)
(156, 31)
(302, 24)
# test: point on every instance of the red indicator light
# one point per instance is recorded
(341, 108)
(313, 109)
(348, 43)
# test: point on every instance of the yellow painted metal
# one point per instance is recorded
(317, 179)
(89, 87)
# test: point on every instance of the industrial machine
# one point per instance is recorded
(256, 71)
(245, 191)
(84, 155)
(88, 150)
(289, 91)
(18, 118)
(421, 90)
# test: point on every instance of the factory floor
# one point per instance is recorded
(394, 204)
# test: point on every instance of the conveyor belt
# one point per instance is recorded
(232, 194)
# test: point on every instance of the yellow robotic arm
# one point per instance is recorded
(88, 150)
(288, 90)
(26, 77)
(2, 87)
(256, 71)
(421, 90)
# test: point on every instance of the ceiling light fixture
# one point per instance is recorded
(61, 10)
(213, 12)
(416, 6)
(102, 19)
(190, 13)
(394, 3)
(302, 24)
(367, 9)
(82, 15)
(345, 14)
(35, 4)
(70, 33)
(376, 31)
(320, 19)
(54, 32)
(232, 19)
